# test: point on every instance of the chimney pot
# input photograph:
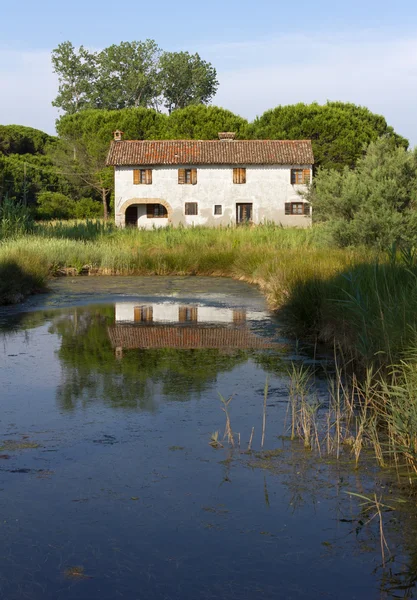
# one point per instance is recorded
(227, 135)
(117, 135)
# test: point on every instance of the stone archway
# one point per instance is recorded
(120, 214)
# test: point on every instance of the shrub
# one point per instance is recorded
(87, 208)
(54, 205)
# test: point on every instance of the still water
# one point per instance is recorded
(109, 487)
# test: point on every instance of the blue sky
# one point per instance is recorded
(266, 52)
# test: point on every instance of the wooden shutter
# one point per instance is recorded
(148, 176)
(239, 175)
(181, 176)
(288, 208)
(306, 175)
(193, 176)
(150, 211)
(136, 176)
(182, 314)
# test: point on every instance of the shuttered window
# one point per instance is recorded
(187, 176)
(300, 176)
(143, 314)
(218, 209)
(187, 314)
(156, 211)
(142, 176)
(191, 208)
(239, 175)
(297, 208)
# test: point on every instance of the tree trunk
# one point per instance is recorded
(104, 198)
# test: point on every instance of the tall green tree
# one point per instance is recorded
(186, 79)
(340, 132)
(127, 75)
(77, 75)
(202, 122)
(130, 74)
(374, 204)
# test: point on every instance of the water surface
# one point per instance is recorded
(109, 487)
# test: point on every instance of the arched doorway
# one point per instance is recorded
(144, 212)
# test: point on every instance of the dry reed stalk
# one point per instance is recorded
(264, 412)
(250, 439)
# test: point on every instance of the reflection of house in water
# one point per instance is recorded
(178, 326)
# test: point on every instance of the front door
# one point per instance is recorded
(243, 213)
(131, 216)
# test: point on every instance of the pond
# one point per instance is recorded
(115, 477)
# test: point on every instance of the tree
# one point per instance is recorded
(17, 139)
(77, 75)
(375, 204)
(204, 123)
(84, 143)
(186, 79)
(128, 75)
(340, 132)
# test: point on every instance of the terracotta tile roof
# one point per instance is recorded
(139, 336)
(211, 152)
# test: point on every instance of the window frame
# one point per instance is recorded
(187, 173)
(150, 211)
(305, 176)
(306, 209)
(142, 176)
(218, 206)
(187, 207)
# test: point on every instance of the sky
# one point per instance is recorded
(266, 53)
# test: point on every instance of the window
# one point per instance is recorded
(142, 176)
(143, 314)
(187, 314)
(156, 211)
(218, 209)
(239, 175)
(187, 176)
(191, 208)
(299, 176)
(297, 208)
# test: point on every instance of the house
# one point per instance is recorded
(210, 182)
(184, 326)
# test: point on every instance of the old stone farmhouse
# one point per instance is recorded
(214, 182)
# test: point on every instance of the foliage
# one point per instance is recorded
(374, 204)
(76, 70)
(17, 139)
(204, 123)
(53, 205)
(339, 131)
(130, 74)
(186, 79)
(15, 219)
(87, 208)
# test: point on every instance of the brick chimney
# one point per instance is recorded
(117, 135)
(227, 136)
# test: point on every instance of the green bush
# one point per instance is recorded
(54, 205)
(87, 208)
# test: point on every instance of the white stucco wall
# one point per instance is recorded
(169, 313)
(267, 188)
